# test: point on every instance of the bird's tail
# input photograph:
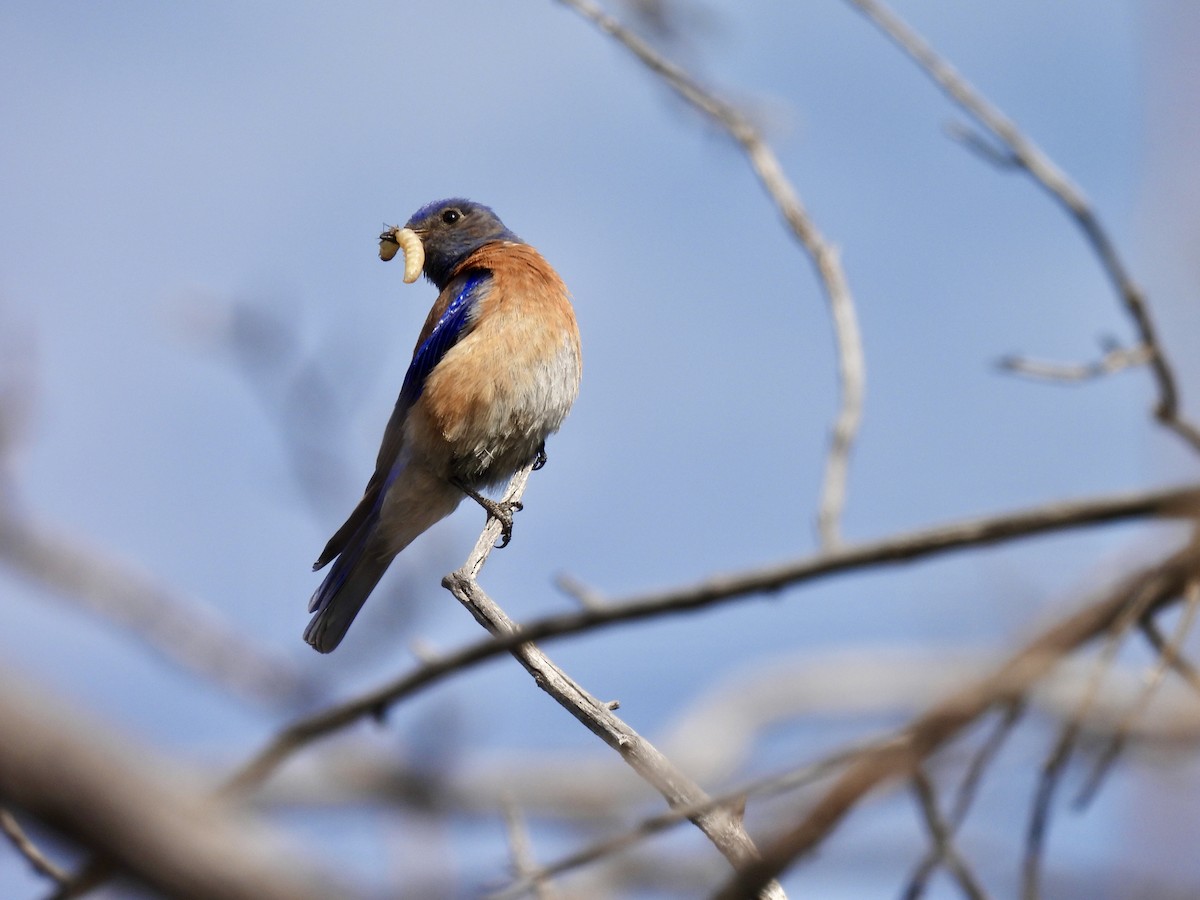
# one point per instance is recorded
(341, 595)
(416, 501)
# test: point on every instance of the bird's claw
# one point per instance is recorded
(540, 459)
(503, 514)
(501, 511)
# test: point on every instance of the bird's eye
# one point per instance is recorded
(451, 216)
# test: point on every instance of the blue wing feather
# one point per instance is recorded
(445, 335)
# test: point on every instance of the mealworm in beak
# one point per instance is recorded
(414, 251)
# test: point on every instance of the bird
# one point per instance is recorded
(495, 370)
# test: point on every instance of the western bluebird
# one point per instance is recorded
(495, 371)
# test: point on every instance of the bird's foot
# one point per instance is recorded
(502, 512)
(540, 459)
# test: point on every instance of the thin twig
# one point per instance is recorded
(41, 863)
(522, 852)
(1115, 360)
(1167, 659)
(823, 254)
(1028, 156)
(966, 794)
(1186, 670)
(980, 762)
(942, 833)
(906, 547)
(720, 825)
(1161, 582)
(585, 595)
(1139, 604)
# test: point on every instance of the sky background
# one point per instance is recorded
(189, 278)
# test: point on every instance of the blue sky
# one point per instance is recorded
(164, 164)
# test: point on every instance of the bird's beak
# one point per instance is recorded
(414, 251)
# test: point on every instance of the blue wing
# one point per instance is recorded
(445, 334)
(450, 327)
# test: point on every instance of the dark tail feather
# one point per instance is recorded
(416, 501)
(341, 595)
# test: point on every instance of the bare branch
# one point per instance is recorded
(183, 633)
(118, 801)
(868, 683)
(1114, 360)
(41, 863)
(1186, 670)
(1028, 156)
(966, 794)
(1175, 502)
(1056, 762)
(522, 852)
(942, 833)
(1160, 583)
(1168, 658)
(823, 254)
(583, 594)
(722, 827)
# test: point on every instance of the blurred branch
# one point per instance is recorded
(943, 833)
(736, 799)
(1115, 359)
(182, 633)
(1171, 503)
(41, 863)
(1168, 658)
(715, 738)
(522, 853)
(857, 690)
(1026, 155)
(824, 256)
(115, 800)
(1177, 661)
(1158, 585)
(1056, 763)
(965, 795)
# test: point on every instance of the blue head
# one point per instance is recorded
(452, 230)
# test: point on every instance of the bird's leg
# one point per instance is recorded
(540, 459)
(501, 512)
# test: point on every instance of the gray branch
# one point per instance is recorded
(1024, 154)
(822, 253)
(151, 823)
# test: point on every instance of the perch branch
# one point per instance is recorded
(721, 826)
